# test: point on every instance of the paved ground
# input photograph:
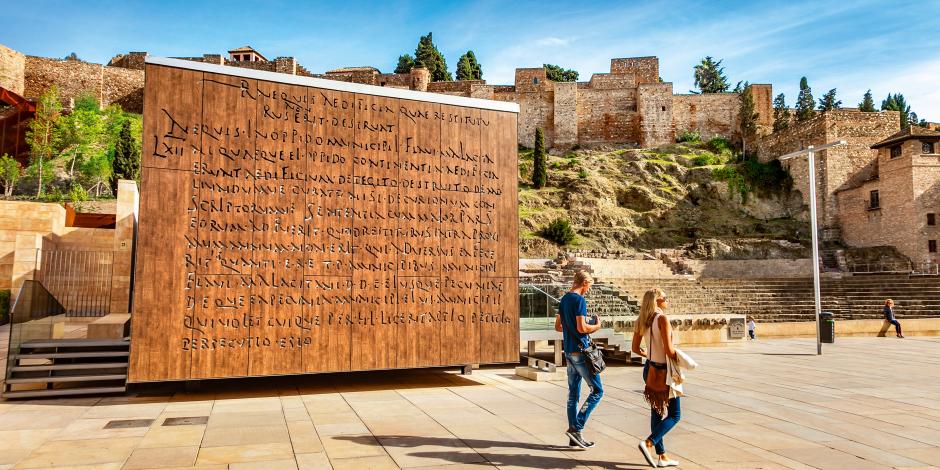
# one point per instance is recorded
(867, 403)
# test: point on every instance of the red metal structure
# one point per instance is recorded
(15, 114)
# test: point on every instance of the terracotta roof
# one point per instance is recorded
(365, 68)
(912, 132)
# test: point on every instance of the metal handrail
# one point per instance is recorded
(533, 286)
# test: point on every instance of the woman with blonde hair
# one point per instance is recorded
(652, 324)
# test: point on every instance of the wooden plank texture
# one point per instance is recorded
(286, 229)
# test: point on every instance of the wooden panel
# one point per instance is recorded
(460, 276)
(223, 272)
(328, 234)
(375, 260)
(289, 229)
(419, 238)
(499, 240)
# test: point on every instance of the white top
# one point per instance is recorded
(657, 351)
(751, 325)
(335, 85)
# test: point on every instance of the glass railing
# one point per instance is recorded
(538, 304)
(33, 317)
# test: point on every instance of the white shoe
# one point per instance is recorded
(668, 463)
(646, 453)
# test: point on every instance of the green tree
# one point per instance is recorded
(805, 102)
(10, 173)
(747, 117)
(558, 231)
(896, 102)
(868, 104)
(40, 136)
(72, 56)
(557, 74)
(81, 134)
(781, 113)
(540, 172)
(710, 76)
(426, 54)
(468, 68)
(126, 164)
(405, 64)
(829, 102)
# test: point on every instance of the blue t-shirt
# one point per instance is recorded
(573, 305)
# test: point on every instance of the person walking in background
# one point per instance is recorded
(653, 326)
(889, 317)
(751, 328)
(573, 321)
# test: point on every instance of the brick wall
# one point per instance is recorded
(908, 189)
(566, 114)
(645, 69)
(110, 84)
(654, 105)
(12, 68)
(836, 167)
(709, 114)
(131, 60)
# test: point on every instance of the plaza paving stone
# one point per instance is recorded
(866, 403)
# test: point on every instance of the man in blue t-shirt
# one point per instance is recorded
(573, 321)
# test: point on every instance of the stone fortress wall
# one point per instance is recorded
(629, 104)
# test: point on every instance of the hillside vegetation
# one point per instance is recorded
(630, 200)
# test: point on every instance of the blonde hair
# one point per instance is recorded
(888, 301)
(581, 278)
(648, 310)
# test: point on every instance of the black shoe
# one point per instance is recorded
(575, 439)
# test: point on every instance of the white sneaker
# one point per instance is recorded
(646, 452)
(668, 463)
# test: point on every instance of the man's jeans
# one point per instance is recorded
(577, 370)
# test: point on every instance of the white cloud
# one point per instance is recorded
(553, 41)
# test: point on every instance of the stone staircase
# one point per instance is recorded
(67, 367)
(791, 299)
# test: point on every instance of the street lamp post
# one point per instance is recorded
(811, 161)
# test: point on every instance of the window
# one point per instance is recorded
(926, 147)
(932, 246)
(873, 200)
(535, 80)
(931, 219)
(896, 151)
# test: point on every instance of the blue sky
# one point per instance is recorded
(887, 46)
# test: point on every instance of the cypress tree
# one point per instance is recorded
(868, 104)
(426, 54)
(805, 102)
(829, 102)
(781, 113)
(468, 68)
(540, 172)
(126, 163)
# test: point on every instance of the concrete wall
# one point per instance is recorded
(12, 69)
(844, 328)
(28, 229)
(751, 268)
(629, 268)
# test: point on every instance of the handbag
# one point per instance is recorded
(594, 355)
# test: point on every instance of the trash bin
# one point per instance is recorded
(827, 327)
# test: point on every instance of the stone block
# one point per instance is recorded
(111, 326)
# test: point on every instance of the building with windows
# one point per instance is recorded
(897, 203)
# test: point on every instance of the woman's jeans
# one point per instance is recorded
(577, 370)
(659, 427)
(897, 325)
